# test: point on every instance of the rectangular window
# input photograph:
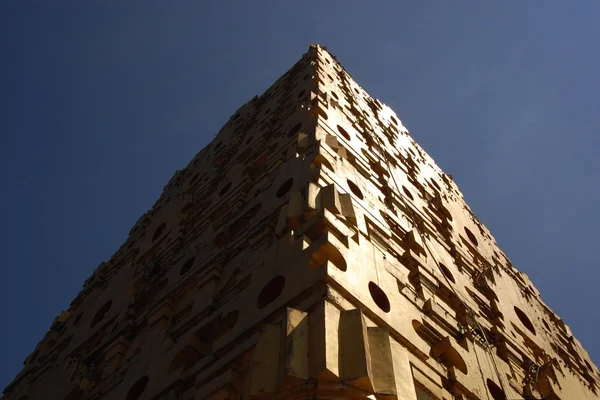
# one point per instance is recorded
(422, 393)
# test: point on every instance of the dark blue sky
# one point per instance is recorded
(100, 104)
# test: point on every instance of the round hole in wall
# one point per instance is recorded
(294, 129)
(355, 189)
(159, 231)
(187, 266)
(225, 189)
(447, 273)
(524, 319)
(334, 94)
(471, 236)
(284, 188)
(407, 193)
(271, 291)
(194, 178)
(101, 313)
(343, 132)
(495, 390)
(379, 297)
(435, 184)
(137, 389)
(546, 324)
(394, 120)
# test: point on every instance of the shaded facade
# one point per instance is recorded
(311, 251)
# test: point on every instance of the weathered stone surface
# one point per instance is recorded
(311, 251)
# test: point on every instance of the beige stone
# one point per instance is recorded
(312, 250)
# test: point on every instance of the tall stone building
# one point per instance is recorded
(311, 251)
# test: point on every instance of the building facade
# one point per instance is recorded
(311, 251)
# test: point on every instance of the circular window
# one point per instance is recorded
(471, 236)
(407, 193)
(355, 189)
(294, 129)
(495, 390)
(137, 389)
(379, 297)
(99, 316)
(447, 273)
(524, 319)
(394, 120)
(187, 266)
(159, 231)
(225, 189)
(343, 132)
(271, 291)
(546, 324)
(284, 188)
(335, 95)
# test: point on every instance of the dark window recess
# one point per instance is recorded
(447, 273)
(471, 236)
(99, 316)
(137, 389)
(524, 319)
(495, 390)
(159, 231)
(284, 188)
(354, 189)
(225, 189)
(294, 129)
(379, 297)
(271, 291)
(187, 266)
(343, 132)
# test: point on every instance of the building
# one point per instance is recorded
(311, 251)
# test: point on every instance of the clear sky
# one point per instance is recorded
(100, 104)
